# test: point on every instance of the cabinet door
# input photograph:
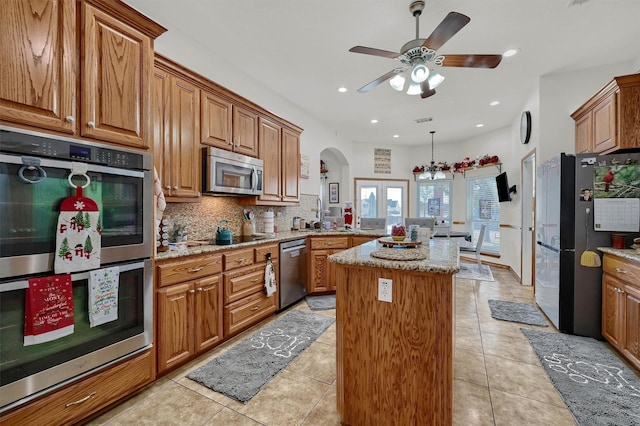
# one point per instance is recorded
(160, 92)
(174, 325)
(208, 312)
(38, 57)
(320, 278)
(290, 166)
(584, 134)
(216, 121)
(269, 136)
(631, 340)
(245, 131)
(116, 70)
(604, 124)
(612, 309)
(185, 119)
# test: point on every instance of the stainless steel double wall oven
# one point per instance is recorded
(34, 170)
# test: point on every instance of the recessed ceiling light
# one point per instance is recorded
(510, 53)
(396, 136)
(494, 103)
(342, 89)
(374, 121)
(480, 125)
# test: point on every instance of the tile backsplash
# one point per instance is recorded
(202, 219)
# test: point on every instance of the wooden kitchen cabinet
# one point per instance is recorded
(176, 126)
(621, 306)
(245, 299)
(228, 125)
(320, 278)
(280, 151)
(189, 309)
(356, 240)
(107, 44)
(77, 401)
(610, 120)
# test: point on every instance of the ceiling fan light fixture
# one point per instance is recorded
(397, 82)
(435, 80)
(414, 89)
(419, 73)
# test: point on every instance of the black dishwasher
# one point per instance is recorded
(293, 272)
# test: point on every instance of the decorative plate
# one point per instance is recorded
(390, 242)
(398, 254)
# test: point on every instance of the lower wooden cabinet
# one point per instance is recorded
(621, 306)
(319, 270)
(79, 400)
(189, 320)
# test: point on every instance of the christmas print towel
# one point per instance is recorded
(48, 309)
(103, 295)
(269, 279)
(77, 235)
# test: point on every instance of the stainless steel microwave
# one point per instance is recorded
(230, 173)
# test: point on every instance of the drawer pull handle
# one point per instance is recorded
(255, 280)
(621, 271)
(255, 308)
(80, 401)
(192, 270)
(240, 260)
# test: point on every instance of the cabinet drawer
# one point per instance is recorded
(188, 268)
(243, 282)
(246, 312)
(622, 269)
(79, 400)
(329, 243)
(261, 252)
(238, 258)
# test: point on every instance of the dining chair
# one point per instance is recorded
(423, 222)
(373, 223)
(478, 246)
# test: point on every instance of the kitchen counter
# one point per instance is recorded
(629, 254)
(394, 359)
(279, 237)
(441, 257)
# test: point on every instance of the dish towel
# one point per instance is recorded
(103, 295)
(159, 202)
(48, 309)
(269, 279)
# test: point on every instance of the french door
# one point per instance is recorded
(384, 198)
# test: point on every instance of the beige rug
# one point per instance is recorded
(470, 271)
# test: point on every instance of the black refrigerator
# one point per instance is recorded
(569, 293)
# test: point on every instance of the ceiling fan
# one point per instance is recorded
(417, 53)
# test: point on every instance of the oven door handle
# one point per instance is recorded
(58, 164)
(19, 285)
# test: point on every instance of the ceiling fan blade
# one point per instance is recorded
(377, 81)
(375, 52)
(450, 25)
(426, 91)
(472, 61)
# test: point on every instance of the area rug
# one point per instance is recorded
(597, 386)
(516, 312)
(243, 370)
(321, 303)
(471, 271)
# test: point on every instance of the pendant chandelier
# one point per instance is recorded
(432, 172)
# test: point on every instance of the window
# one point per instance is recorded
(483, 208)
(434, 199)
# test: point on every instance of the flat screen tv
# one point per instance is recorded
(504, 192)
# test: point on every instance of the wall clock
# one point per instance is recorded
(525, 127)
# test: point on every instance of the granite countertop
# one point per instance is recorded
(441, 257)
(276, 238)
(629, 254)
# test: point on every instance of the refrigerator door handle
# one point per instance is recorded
(548, 247)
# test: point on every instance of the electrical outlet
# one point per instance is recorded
(384, 290)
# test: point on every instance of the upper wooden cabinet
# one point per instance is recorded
(227, 125)
(610, 120)
(176, 121)
(280, 151)
(109, 45)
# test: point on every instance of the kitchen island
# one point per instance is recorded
(395, 359)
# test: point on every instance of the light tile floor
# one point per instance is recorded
(498, 379)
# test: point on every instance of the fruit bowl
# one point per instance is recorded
(398, 237)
